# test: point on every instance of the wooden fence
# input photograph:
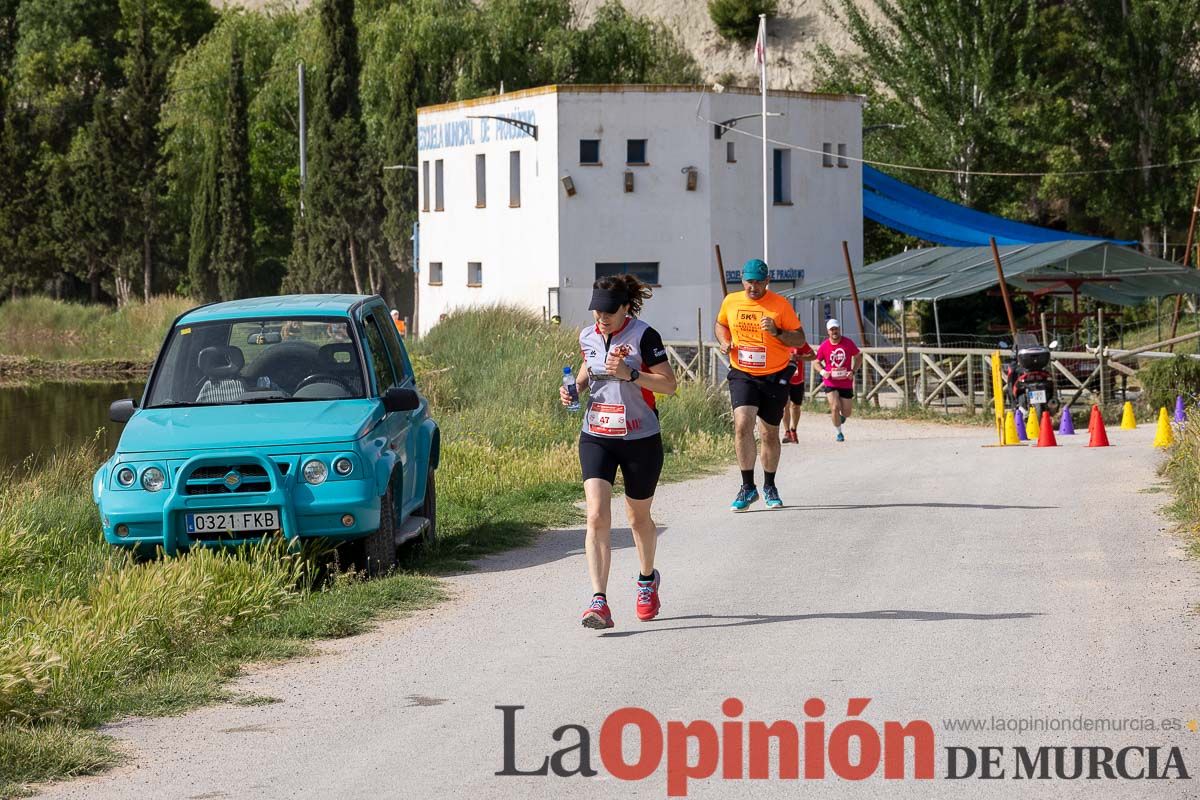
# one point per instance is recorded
(950, 378)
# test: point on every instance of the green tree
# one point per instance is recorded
(202, 237)
(950, 72)
(1139, 103)
(738, 19)
(233, 256)
(193, 116)
(342, 199)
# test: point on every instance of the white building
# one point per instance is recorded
(528, 197)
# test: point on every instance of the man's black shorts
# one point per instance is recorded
(796, 393)
(640, 460)
(847, 394)
(768, 392)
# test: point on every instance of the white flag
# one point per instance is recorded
(760, 45)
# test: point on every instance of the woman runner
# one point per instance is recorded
(624, 365)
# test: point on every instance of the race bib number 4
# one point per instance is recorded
(753, 357)
(606, 419)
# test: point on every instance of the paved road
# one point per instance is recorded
(911, 566)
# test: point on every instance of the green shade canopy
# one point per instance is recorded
(1107, 272)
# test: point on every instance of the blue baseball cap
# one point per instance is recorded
(754, 270)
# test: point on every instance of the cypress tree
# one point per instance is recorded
(202, 242)
(335, 250)
(233, 256)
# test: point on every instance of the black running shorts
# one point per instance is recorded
(640, 460)
(847, 394)
(796, 393)
(768, 393)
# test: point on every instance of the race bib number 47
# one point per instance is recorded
(607, 419)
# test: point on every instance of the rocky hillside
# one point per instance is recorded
(792, 37)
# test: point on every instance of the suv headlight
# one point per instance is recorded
(315, 472)
(343, 466)
(153, 479)
(126, 477)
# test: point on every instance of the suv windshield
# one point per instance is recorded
(258, 361)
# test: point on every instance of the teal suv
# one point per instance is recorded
(296, 414)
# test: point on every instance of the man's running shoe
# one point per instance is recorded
(746, 497)
(841, 437)
(597, 616)
(772, 495)
(647, 598)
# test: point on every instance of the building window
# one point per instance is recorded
(783, 177)
(826, 154)
(842, 162)
(730, 158)
(439, 186)
(514, 179)
(474, 273)
(589, 151)
(635, 151)
(480, 180)
(644, 271)
(424, 185)
(435, 273)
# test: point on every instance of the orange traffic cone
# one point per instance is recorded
(1099, 435)
(1046, 435)
(1092, 418)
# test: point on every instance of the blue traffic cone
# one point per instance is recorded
(1020, 420)
(1066, 426)
(1180, 414)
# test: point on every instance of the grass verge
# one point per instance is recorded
(1182, 469)
(37, 330)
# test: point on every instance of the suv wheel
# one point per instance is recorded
(429, 511)
(379, 548)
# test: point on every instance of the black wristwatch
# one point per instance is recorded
(634, 375)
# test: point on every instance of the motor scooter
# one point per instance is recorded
(1027, 377)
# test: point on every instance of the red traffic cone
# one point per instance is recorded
(1046, 434)
(1099, 435)
(1092, 418)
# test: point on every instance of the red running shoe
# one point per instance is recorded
(597, 616)
(647, 598)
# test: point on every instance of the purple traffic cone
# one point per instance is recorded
(1020, 419)
(1180, 414)
(1066, 426)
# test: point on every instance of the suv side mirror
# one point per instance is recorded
(397, 399)
(121, 410)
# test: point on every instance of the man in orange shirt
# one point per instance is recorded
(757, 329)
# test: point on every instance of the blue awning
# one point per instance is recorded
(928, 217)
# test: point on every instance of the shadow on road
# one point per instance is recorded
(766, 619)
(550, 546)
(867, 506)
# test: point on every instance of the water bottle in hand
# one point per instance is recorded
(572, 389)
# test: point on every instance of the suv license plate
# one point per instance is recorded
(1038, 397)
(234, 521)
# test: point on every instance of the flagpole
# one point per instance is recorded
(762, 35)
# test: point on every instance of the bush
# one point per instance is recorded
(738, 19)
(1165, 378)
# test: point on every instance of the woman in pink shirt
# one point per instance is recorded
(839, 358)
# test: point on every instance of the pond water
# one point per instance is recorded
(42, 418)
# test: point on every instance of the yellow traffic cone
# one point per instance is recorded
(1163, 436)
(1128, 422)
(1032, 425)
(1010, 429)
